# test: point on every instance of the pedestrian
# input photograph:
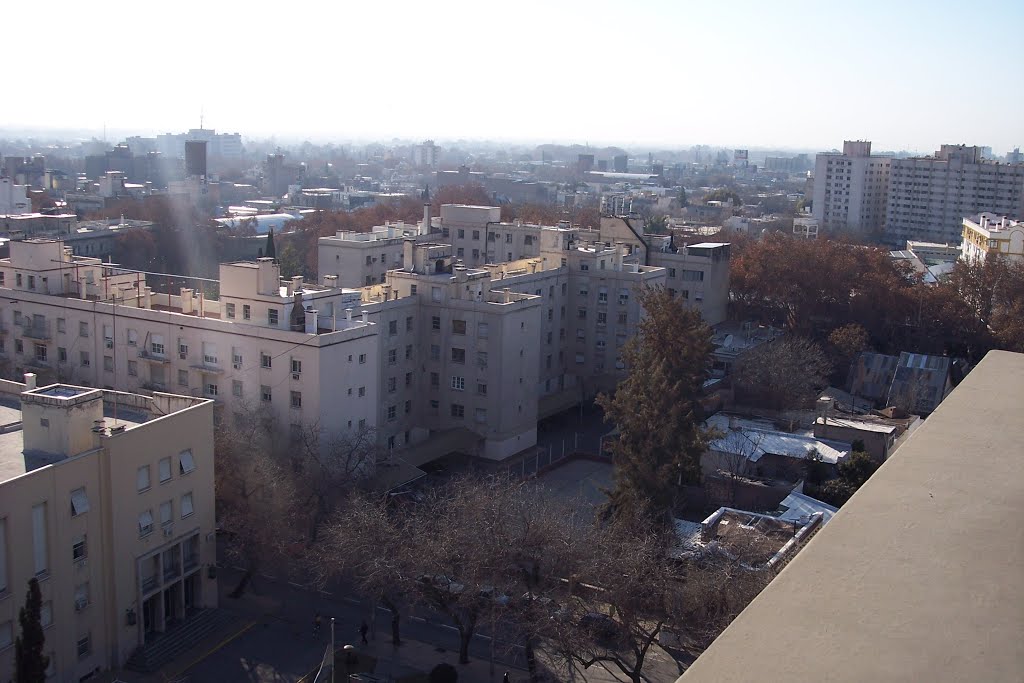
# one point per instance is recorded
(363, 628)
(504, 679)
(316, 625)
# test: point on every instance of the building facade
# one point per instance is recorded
(106, 498)
(989, 235)
(930, 196)
(850, 189)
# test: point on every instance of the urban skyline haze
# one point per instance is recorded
(797, 75)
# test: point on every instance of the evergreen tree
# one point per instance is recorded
(29, 662)
(656, 407)
(270, 251)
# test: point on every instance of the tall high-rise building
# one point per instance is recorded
(930, 196)
(850, 189)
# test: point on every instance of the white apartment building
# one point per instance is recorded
(850, 189)
(805, 227)
(989, 235)
(930, 196)
(13, 198)
(291, 349)
(107, 499)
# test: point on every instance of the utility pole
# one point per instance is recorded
(333, 667)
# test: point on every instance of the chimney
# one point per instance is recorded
(30, 381)
(348, 315)
(186, 300)
(311, 319)
(297, 284)
(425, 228)
(331, 281)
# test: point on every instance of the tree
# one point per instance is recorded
(784, 374)
(846, 343)
(656, 224)
(683, 199)
(656, 408)
(853, 471)
(257, 501)
(270, 251)
(30, 663)
(724, 194)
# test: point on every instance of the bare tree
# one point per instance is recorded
(783, 374)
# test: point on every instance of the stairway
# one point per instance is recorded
(173, 643)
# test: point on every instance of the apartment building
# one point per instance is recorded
(988, 235)
(930, 196)
(293, 350)
(107, 498)
(850, 189)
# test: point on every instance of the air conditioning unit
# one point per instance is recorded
(168, 531)
(110, 343)
(81, 604)
(236, 366)
(182, 355)
(296, 375)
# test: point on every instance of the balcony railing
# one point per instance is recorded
(36, 330)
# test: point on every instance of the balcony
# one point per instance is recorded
(208, 368)
(36, 330)
(149, 583)
(171, 572)
(146, 354)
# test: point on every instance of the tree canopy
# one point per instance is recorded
(656, 409)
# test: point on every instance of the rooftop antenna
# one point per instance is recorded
(200, 117)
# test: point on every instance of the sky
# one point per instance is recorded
(907, 75)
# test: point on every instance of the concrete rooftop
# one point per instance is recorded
(918, 577)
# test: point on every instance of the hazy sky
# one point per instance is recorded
(907, 75)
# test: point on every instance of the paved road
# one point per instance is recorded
(281, 646)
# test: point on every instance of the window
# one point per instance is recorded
(671, 272)
(183, 377)
(435, 293)
(17, 279)
(236, 358)
(584, 266)
(392, 356)
(81, 596)
(408, 379)
(460, 252)
(392, 385)
(362, 359)
(580, 359)
(186, 462)
(296, 366)
(209, 353)
(481, 359)
(84, 646)
(166, 513)
(182, 348)
(508, 238)
(246, 311)
(40, 350)
(602, 295)
(392, 412)
(229, 310)
(46, 619)
(272, 317)
(265, 393)
(146, 523)
(602, 318)
(434, 404)
(165, 469)
(458, 383)
(408, 409)
(79, 550)
(528, 240)
(435, 379)
(481, 388)
(458, 327)
(458, 355)
(581, 333)
(435, 352)
(83, 329)
(622, 318)
(79, 502)
(458, 410)
(581, 313)
(482, 330)
(142, 482)
(623, 297)
(480, 415)
(133, 368)
(156, 345)
(62, 326)
(19, 346)
(435, 322)
(236, 388)
(186, 505)
(83, 358)
(392, 327)
(461, 233)
(31, 281)
(408, 351)
(362, 392)
(412, 290)
(266, 361)
(212, 389)
(476, 234)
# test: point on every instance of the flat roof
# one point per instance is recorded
(917, 577)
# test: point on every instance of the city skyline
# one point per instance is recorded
(805, 78)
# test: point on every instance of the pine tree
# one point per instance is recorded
(29, 662)
(656, 408)
(270, 251)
